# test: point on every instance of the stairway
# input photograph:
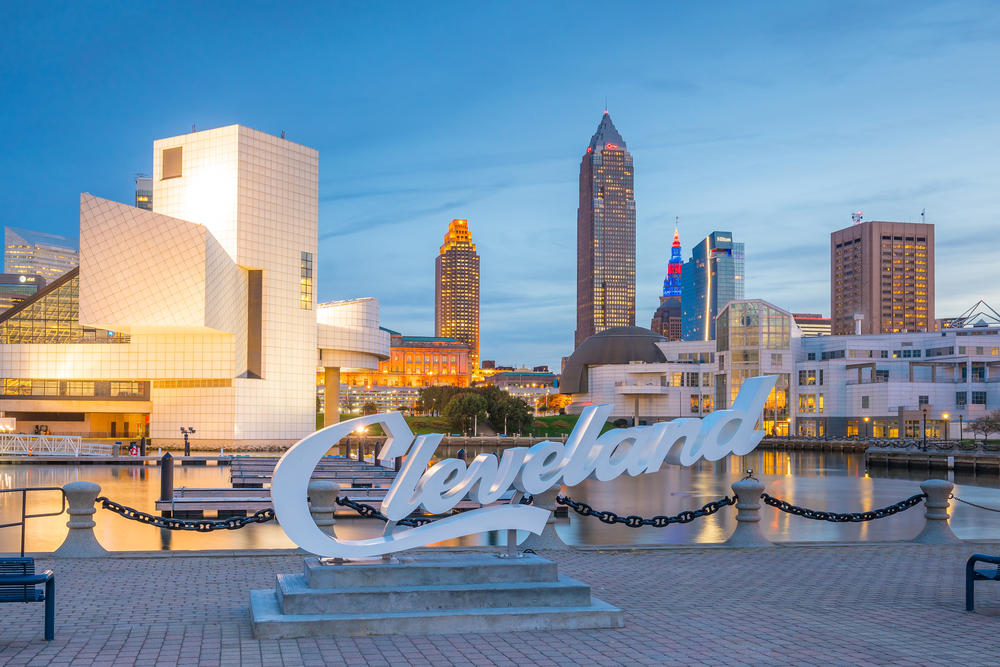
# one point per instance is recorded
(426, 594)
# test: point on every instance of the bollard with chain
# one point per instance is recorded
(748, 532)
(549, 538)
(936, 529)
(81, 542)
(323, 503)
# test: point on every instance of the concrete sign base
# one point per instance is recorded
(427, 594)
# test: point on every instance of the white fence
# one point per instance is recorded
(45, 445)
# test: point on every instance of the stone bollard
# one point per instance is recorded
(323, 503)
(549, 539)
(748, 532)
(936, 529)
(81, 542)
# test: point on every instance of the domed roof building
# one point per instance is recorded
(617, 345)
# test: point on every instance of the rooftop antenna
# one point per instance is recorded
(605, 104)
(922, 212)
(192, 128)
(282, 134)
(856, 217)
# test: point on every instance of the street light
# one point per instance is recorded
(866, 429)
(925, 429)
(960, 434)
(187, 430)
(945, 416)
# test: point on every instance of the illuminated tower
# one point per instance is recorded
(605, 235)
(672, 283)
(456, 290)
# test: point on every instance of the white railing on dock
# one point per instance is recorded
(46, 445)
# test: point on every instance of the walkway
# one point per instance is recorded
(796, 605)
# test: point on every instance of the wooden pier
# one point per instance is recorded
(955, 459)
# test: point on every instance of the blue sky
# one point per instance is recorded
(773, 121)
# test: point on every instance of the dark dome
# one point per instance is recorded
(617, 345)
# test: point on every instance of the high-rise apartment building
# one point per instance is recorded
(883, 274)
(456, 290)
(668, 317)
(144, 192)
(46, 255)
(711, 278)
(605, 235)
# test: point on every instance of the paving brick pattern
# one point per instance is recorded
(793, 605)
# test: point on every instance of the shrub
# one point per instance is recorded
(621, 423)
(419, 423)
(560, 424)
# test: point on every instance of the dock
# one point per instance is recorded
(66, 459)
(950, 459)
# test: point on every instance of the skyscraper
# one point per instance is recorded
(456, 290)
(144, 192)
(668, 317)
(47, 255)
(711, 278)
(605, 235)
(882, 272)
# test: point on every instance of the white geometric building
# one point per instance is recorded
(205, 306)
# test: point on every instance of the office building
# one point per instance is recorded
(144, 192)
(812, 324)
(39, 253)
(875, 385)
(605, 235)
(416, 361)
(197, 314)
(16, 287)
(882, 278)
(456, 289)
(668, 316)
(711, 278)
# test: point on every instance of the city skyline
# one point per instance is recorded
(775, 123)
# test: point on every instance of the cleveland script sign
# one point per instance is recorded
(586, 455)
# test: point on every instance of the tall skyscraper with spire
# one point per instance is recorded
(605, 235)
(456, 290)
(667, 318)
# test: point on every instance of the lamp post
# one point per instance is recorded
(866, 429)
(945, 416)
(925, 429)
(187, 430)
(960, 434)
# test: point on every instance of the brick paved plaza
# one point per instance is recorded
(894, 604)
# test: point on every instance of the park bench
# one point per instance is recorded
(17, 584)
(973, 575)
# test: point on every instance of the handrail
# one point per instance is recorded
(34, 445)
(24, 507)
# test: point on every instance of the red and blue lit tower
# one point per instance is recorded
(672, 283)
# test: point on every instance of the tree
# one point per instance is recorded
(463, 409)
(369, 409)
(988, 423)
(559, 402)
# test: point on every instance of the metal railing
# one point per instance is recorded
(40, 445)
(24, 507)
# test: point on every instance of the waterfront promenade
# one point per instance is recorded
(871, 604)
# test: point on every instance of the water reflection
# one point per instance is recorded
(823, 481)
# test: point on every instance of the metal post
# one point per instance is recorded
(925, 429)
(142, 446)
(167, 477)
(187, 446)
(960, 435)
(463, 456)
(50, 608)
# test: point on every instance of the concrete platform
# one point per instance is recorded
(427, 594)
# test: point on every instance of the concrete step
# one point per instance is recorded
(295, 597)
(430, 570)
(268, 622)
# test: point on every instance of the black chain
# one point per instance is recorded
(634, 521)
(201, 526)
(369, 511)
(844, 518)
(952, 496)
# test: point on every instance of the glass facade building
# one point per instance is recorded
(144, 192)
(713, 277)
(605, 236)
(47, 255)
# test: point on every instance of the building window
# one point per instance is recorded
(923, 400)
(884, 354)
(811, 356)
(864, 402)
(306, 282)
(172, 159)
(961, 399)
(694, 403)
(979, 398)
